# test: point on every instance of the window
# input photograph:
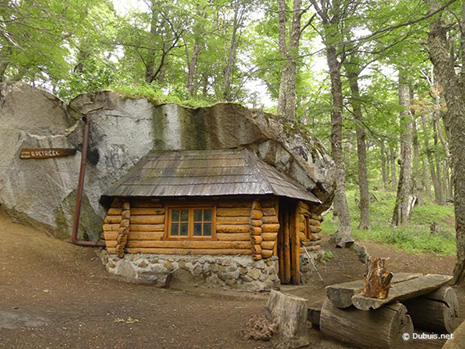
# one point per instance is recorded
(190, 222)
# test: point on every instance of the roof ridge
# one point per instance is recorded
(256, 171)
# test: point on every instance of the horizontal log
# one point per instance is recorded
(314, 222)
(301, 218)
(233, 237)
(270, 228)
(114, 211)
(301, 227)
(233, 220)
(147, 219)
(110, 235)
(341, 294)
(126, 214)
(123, 230)
(269, 236)
(270, 220)
(110, 243)
(190, 244)
(269, 211)
(124, 223)
(305, 242)
(402, 291)
(256, 214)
(110, 227)
(256, 205)
(234, 204)
(268, 203)
(257, 257)
(267, 253)
(255, 230)
(315, 237)
(317, 217)
(233, 212)
(145, 204)
(112, 250)
(303, 205)
(256, 239)
(382, 328)
(126, 206)
(112, 219)
(142, 211)
(315, 229)
(145, 235)
(232, 228)
(256, 222)
(199, 251)
(302, 236)
(256, 249)
(268, 245)
(147, 227)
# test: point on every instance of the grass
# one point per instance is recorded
(414, 237)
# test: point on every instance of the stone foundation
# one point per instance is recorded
(307, 271)
(240, 272)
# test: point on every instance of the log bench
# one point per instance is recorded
(367, 322)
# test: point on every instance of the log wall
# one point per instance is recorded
(312, 241)
(138, 226)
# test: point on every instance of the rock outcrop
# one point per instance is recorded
(121, 132)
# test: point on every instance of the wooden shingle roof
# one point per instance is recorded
(206, 173)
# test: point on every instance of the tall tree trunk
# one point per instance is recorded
(426, 178)
(287, 89)
(361, 150)
(417, 173)
(192, 67)
(342, 237)
(393, 159)
(404, 189)
(454, 119)
(384, 167)
(448, 187)
(429, 155)
(437, 161)
(237, 21)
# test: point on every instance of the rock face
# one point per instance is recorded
(121, 132)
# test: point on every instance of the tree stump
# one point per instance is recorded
(290, 315)
(436, 311)
(377, 280)
(380, 328)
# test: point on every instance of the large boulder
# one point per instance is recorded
(121, 132)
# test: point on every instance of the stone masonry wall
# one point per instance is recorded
(240, 272)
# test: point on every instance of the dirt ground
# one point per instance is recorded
(56, 295)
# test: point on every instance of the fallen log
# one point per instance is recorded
(341, 294)
(436, 311)
(381, 328)
(402, 291)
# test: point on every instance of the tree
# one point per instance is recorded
(441, 45)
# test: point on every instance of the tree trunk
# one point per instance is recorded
(192, 67)
(404, 189)
(417, 173)
(342, 237)
(430, 160)
(437, 161)
(361, 152)
(232, 51)
(426, 178)
(384, 168)
(393, 159)
(287, 89)
(454, 119)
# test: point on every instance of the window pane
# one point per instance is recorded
(184, 215)
(175, 215)
(198, 229)
(198, 215)
(183, 230)
(207, 229)
(207, 215)
(174, 229)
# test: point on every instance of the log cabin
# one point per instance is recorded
(222, 217)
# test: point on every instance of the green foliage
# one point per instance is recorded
(415, 237)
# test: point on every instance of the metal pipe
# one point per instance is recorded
(80, 191)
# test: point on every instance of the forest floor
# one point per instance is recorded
(56, 295)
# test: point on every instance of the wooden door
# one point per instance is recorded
(288, 244)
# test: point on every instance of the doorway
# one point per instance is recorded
(288, 244)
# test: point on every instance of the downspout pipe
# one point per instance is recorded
(80, 191)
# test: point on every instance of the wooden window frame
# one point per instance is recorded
(190, 229)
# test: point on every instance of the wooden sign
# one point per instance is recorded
(46, 153)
